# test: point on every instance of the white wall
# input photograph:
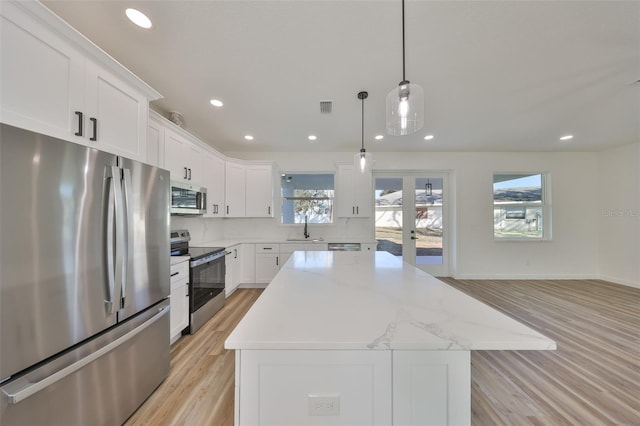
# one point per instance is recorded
(573, 251)
(618, 207)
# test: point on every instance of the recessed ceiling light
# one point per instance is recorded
(248, 137)
(216, 103)
(428, 137)
(312, 137)
(138, 18)
(566, 138)
(379, 137)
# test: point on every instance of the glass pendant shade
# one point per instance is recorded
(405, 109)
(362, 161)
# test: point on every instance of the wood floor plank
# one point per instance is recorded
(592, 379)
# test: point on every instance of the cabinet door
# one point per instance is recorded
(363, 192)
(175, 156)
(345, 192)
(235, 179)
(213, 171)
(117, 114)
(179, 314)
(354, 197)
(41, 77)
(155, 144)
(259, 191)
(267, 266)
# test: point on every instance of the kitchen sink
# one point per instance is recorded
(306, 240)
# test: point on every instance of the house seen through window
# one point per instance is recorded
(520, 206)
(307, 195)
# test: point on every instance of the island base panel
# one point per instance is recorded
(276, 387)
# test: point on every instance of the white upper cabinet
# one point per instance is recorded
(248, 190)
(214, 180)
(259, 191)
(354, 192)
(183, 158)
(116, 114)
(56, 82)
(155, 142)
(42, 76)
(235, 180)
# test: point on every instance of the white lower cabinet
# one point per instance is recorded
(267, 262)
(347, 387)
(233, 269)
(179, 314)
(279, 387)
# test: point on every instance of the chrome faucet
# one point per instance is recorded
(306, 232)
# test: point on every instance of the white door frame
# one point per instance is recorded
(408, 213)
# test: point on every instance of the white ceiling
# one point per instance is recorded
(497, 75)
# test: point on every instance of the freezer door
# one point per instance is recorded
(54, 287)
(146, 192)
(102, 382)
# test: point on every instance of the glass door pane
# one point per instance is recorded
(410, 219)
(428, 224)
(388, 214)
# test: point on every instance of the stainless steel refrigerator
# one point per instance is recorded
(84, 282)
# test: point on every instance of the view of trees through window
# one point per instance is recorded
(307, 195)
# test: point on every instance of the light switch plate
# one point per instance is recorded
(324, 404)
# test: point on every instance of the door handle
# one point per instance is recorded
(185, 173)
(80, 123)
(414, 238)
(94, 121)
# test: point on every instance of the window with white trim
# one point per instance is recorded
(521, 207)
(307, 196)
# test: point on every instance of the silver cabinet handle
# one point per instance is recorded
(25, 390)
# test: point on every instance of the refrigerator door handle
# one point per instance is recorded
(120, 269)
(128, 238)
(25, 390)
(109, 249)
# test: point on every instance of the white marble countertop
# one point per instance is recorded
(372, 300)
(233, 242)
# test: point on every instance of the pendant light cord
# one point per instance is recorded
(404, 78)
(362, 150)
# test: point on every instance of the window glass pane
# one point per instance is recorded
(514, 188)
(517, 222)
(518, 205)
(309, 195)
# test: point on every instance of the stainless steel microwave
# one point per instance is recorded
(188, 199)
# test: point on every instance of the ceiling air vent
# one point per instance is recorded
(325, 107)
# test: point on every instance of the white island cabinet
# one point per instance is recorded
(361, 338)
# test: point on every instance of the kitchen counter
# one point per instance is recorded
(372, 301)
(232, 242)
(366, 338)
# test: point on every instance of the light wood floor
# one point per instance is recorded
(592, 379)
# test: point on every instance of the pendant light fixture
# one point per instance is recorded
(363, 159)
(405, 103)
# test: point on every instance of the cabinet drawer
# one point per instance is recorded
(290, 248)
(267, 248)
(179, 273)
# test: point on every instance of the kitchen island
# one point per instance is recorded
(346, 338)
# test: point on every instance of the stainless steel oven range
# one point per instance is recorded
(206, 278)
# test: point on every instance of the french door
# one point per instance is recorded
(411, 215)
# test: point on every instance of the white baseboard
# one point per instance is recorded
(525, 277)
(619, 281)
